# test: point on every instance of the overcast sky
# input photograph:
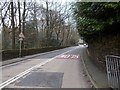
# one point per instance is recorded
(63, 2)
(39, 0)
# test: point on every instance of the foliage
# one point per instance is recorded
(95, 17)
(72, 42)
(30, 35)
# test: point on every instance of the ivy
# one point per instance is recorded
(92, 17)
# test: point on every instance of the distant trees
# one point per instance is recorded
(6, 32)
(94, 18)
(47, 24)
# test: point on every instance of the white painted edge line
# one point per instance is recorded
(89, 76)
(2, 85)
(28, 57)
(88, 52)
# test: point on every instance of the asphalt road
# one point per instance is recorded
(59, 69)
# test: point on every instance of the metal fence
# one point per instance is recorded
(113, 71)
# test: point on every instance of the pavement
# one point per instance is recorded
(97, 77)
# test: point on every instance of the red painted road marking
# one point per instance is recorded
(68, 56)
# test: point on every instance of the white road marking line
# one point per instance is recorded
(12, 64)
(2, 85)
(87, 72)
(88, 52)
(26, 59)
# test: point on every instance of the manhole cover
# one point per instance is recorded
(42, 79)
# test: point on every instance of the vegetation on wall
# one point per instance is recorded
(96, 18)
(99, 25)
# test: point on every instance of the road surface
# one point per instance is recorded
(60, 69)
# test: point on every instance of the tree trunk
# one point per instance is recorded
(13, 25)
(23, 23)
(67, 37)
(47, 23)
(63, 36)
(19, 16)
(36, 25)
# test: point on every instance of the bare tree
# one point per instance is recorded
(19, 16)
(47, 24)
(23, 15)
(13, 25)
(23, 20)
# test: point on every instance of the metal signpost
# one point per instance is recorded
(21, 37)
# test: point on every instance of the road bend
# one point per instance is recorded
(59, 69)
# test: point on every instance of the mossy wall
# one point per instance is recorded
(107, 45)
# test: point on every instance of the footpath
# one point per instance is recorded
(97, 77)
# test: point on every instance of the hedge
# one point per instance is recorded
(10, 54)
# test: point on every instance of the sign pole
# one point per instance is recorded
(20, 48)
(21, 36)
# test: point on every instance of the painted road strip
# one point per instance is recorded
(2, 85)
(68, 56)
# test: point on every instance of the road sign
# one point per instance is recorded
(20, 39)
(21, 35)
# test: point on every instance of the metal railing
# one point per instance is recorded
(113, 71)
